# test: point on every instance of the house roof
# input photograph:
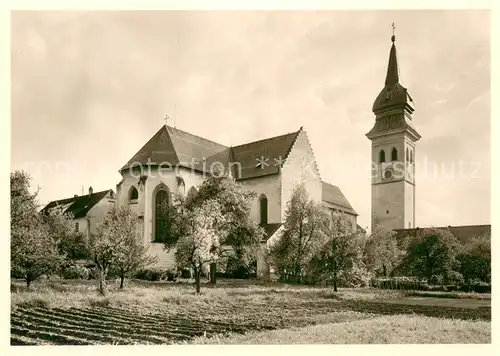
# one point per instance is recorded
(333, 195)
(78, 206)
(463, 233)
(176, 147)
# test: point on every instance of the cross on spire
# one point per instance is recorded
(393, 38)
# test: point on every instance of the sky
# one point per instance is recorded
(88, 89)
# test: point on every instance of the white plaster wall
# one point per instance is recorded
(388, 205)
(97, 213)
(300, 167)
(395, 195)
(270, 186)
(83, 225)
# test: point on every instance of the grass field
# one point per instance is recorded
(71, 312)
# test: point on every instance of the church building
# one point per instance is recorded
(176, 162)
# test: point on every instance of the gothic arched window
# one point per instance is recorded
(407, 155)
(381, 156)
(263, 209)
(394, 154)
(161, 201)
(411, 156)
(133, 194)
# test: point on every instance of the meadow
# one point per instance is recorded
(70, 312)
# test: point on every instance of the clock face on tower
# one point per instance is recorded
(388, 174)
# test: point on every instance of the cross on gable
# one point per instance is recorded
(166, 118)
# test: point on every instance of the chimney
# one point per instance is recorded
(91, 191)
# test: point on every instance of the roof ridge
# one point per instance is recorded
(173, 144)
(191, 134)
(267, 138)
(78, 196)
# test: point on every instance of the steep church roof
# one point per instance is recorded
(393, 106)
(77, 206)
(393, 94)
(271, 152)
(333, 195)
(171, 146)
(176, 147)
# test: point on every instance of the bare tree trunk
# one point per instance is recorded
(122, 277)
(384, 270)
(213, 272)
(28, 283)
(197, 279)
(335, 282)
(103, 288)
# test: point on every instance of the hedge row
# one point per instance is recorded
(409, 283)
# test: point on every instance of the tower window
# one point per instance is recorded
(77, 227)
(263, 209)
(394, 154)
(411, 156)
(381, 157)
(407, 155)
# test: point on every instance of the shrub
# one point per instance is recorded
(157, 274)
(75, 272)
(355, 277)
(186, 273)
(404, 283)
(455, 278)
(435, 280)
(477, 287)
(171, 274)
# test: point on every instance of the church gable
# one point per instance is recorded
(300, 168)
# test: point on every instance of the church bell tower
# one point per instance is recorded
(393, 153)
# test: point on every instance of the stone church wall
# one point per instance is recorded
(270, 186)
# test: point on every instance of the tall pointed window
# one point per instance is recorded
(394, 154)
(263, 209)
(407, 155)
(161, 200)
(381, 156)
(133, 195)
